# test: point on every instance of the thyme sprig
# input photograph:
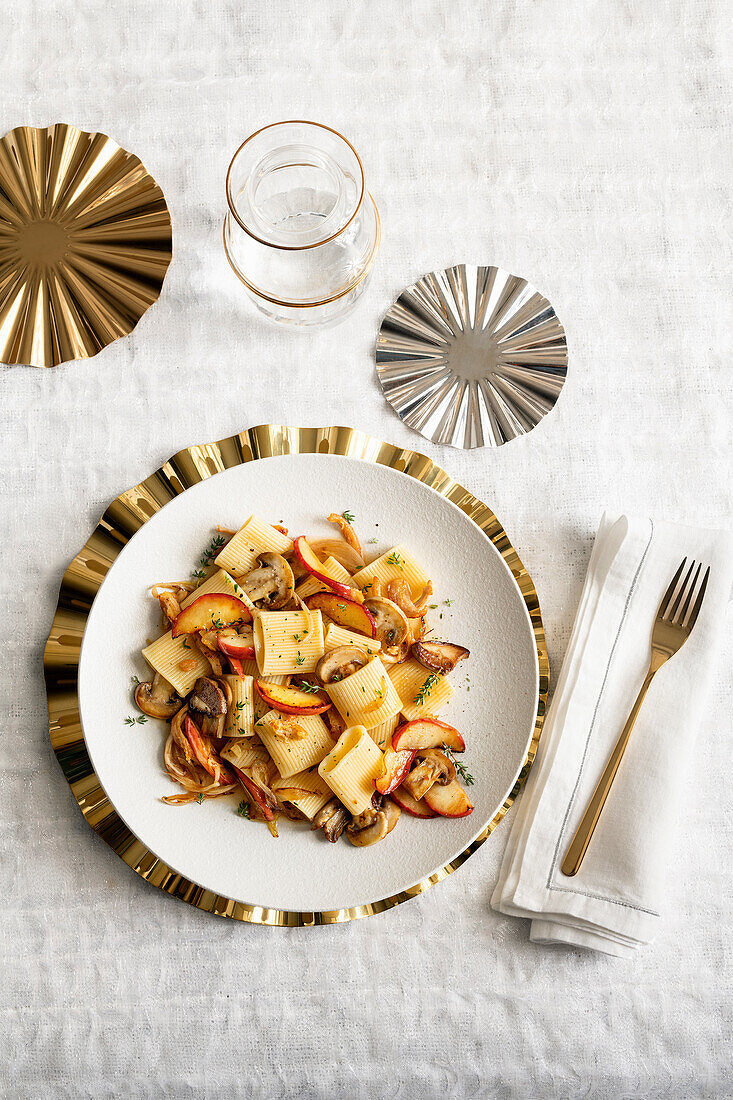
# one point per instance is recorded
(243, 809)
(427, 687)
(462, 770)
(348, 516)
(138, 720)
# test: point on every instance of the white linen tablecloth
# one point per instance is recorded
(585, 147)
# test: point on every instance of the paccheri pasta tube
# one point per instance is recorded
(253, 538)
(351, 768)
(241, 713)
(282, 736)
(421, 691)
(318, 791)
(367, 697)
(288, 641)
(381, 735)
(337, 636)
(397, 564)
(177, 661)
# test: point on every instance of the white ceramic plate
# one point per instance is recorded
(209, 843)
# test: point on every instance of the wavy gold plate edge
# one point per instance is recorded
(126, 515)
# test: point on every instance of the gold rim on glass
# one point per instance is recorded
(321, 301)
(122, 519)
(293, 247)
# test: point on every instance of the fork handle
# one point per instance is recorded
(579, 844)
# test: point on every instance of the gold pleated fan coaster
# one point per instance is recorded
(85, 243)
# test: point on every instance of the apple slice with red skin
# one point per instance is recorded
(345, 611)
(240, 648)
(396, 767)
(213, 609)
(411, 805)
(256, 793)
(427, 733)
(314, 565)
(289, 700)
(449, 801)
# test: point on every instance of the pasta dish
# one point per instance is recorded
(306, 682)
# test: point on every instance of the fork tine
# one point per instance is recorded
(664, 604)
(679, 619)
(678, 599)
(698, 601)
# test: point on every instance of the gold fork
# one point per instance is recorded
(675, 619)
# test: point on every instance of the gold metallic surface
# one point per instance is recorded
(85, 243)
(676, 616)
(82, 579)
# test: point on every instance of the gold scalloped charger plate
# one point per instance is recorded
(207, 855)
(85, 244)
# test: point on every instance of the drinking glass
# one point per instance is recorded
(302, 231)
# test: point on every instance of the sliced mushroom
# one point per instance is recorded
(340, 663)
(210, 702)
(272, 584)
(382, 822)
(434, 766)
(439, 656)
(157, 699)
(333, 819)
(390, 620)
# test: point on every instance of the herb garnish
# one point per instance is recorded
(462, 770)
(243, 809)
(299, 660)
(211, 550)
(140, 720)
(135, 680)
(200, 798)
(348, 516)
(427, 687)
(308, 688)
(395, 559)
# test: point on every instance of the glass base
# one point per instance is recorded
(305, 316)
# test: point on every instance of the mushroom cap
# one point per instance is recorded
(383, 822)
(434, 766)
(439, 656)
(157, 699)
(340, 663)
(332, 818)
(271, 584)
(392, 626)
(208, 698)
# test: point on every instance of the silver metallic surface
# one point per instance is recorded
(471, 356)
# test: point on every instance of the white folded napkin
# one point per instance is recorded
(613, 904)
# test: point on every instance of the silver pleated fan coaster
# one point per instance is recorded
(471, 356)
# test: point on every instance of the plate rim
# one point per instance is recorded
(85, 574)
